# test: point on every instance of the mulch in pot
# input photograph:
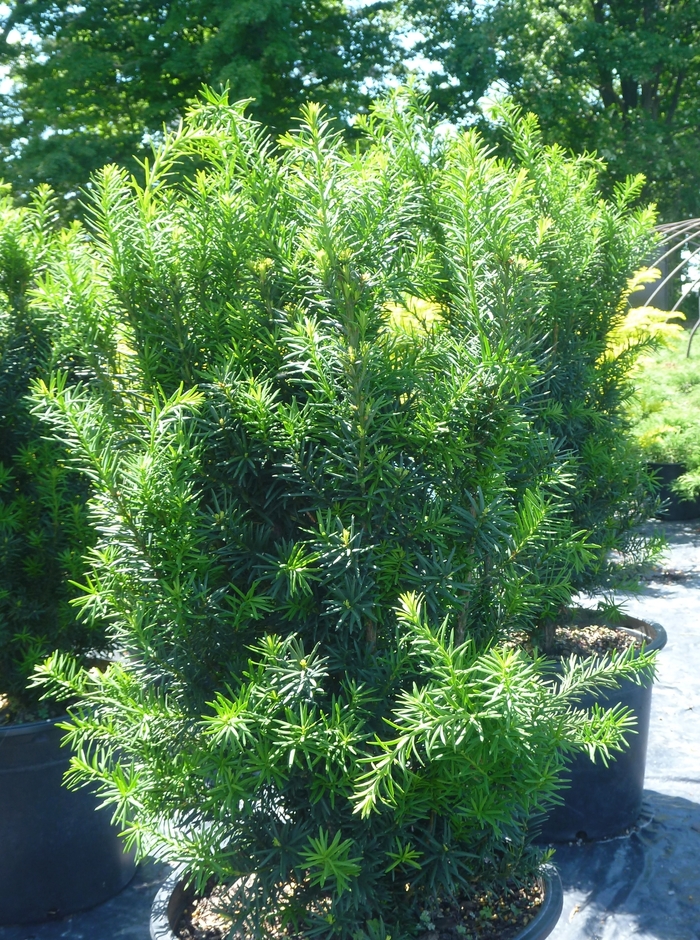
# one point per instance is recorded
(590, 640)
(485, 915)
(588, 636)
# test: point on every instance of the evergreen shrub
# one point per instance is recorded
(665, 415)
(532, 253)
(44, 530)
(321, 494)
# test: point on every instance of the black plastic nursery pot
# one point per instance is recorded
(675, 509)
(602, 802)
(57, 855)
(174, 896)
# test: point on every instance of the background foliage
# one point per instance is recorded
(665, 412)
(93, 81)
(44, 530)
(619, 78)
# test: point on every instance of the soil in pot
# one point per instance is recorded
(485, 916)
(58, 854)
(527, 912)
(602, 802)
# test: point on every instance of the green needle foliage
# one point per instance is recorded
(44, 530)
(321, 492)
(665, 412)
(329, 804)
(531, 253)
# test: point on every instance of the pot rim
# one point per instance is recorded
(30, 727)
(667, 463)
(650, 631)
(550, 910)
(172, 897)
(657, 641)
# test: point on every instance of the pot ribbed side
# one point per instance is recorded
(602, 802)
(58, 854)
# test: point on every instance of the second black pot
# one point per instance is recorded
(675, 508)
(58, 854)
(601, 801)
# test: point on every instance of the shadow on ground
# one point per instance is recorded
(677, 533)
(125, 917)
(644, 885)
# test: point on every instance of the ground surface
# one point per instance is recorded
(125, 917)
(645, 886)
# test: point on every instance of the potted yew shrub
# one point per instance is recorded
(530, 254)
(58, 854)
(534, 246)
(311, 530)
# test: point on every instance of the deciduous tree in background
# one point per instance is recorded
(92, 81)
(619, 77)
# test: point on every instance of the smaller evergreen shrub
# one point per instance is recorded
(666, 412)
(44, 530)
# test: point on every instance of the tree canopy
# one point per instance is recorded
(620, 77)
(93, 81)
